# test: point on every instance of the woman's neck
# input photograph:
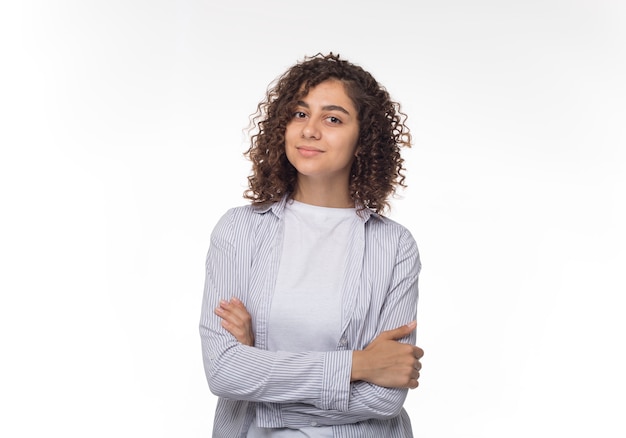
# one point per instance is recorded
(322, 195)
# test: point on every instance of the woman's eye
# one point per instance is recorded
(299, 115)
(334, 120)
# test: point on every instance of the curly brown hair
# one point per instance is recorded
(377, 169)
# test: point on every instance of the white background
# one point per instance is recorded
(121, 134)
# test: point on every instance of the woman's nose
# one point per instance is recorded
(311, 130)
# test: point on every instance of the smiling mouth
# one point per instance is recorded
(308, 151)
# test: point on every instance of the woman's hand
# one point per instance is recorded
(387, 362)
(236, 320)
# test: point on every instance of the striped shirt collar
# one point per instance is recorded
(278, 209)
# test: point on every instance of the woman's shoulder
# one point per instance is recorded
(391, 237)
(240, 210)
(249, 211)
(384, 224)
(242, 217)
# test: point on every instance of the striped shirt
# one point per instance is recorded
(308, 388)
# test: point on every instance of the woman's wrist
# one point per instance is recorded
(357, 372)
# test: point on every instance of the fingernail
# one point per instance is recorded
(412, 324)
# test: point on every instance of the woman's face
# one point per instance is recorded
(322, 136)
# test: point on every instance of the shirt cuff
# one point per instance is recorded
(336, 382)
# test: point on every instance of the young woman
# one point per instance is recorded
(308, 315)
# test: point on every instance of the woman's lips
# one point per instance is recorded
(307, 151)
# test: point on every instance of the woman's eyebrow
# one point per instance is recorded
(326, 107)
